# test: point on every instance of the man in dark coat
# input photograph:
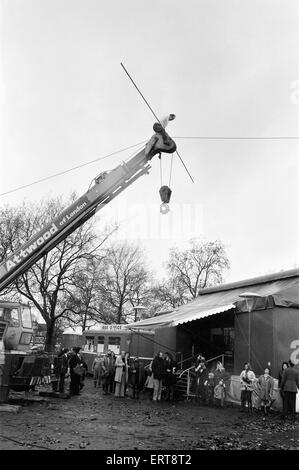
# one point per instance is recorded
(201, 376)
(109, 373)
(289, 385)
(170, 377)
(61, 363)
(74, 360)
(158, 370)
(134, 376)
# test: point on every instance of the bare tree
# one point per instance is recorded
(49, 282)
(201, 265)
(167, 295)
(11, 224)
(124, 277)
(85, 306)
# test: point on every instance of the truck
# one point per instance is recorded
(19, 367)
(106, 186)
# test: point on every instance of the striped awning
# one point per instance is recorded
(178, 317)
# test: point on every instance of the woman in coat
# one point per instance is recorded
(201, 376)
(266, 387)
(158, 369)
(120, 375)
(284, 366)
(149, 382)
(170, 378)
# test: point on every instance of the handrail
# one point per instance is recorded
(186, 370)
(208, 360)
(216, 357)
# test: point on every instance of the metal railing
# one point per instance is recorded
(190, 358)
(187, 371)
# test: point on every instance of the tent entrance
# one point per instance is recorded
(211, 337)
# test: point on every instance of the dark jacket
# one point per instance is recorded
(170, 377)
(61, 363)
(158, 368)
(280, 377)
(73, 361)
(290, 380)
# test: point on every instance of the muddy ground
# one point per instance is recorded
(96, 421)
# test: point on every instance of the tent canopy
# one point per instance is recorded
(282, 287)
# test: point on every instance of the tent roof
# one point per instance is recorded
(283, 287)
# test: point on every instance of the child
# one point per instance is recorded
(209, 388)
(266, 387)
(219, 393)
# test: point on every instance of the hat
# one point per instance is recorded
(76, 348)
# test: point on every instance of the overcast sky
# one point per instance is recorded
(224, 67)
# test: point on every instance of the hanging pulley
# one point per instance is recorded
(165, 193)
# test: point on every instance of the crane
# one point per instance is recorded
(20, 370)
(107, 186)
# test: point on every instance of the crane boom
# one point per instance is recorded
(107, 186)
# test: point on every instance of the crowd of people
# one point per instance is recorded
(119, 375)
(122, 374)
(263, 387)
(209, 386)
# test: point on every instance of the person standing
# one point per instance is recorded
(201, 376)
(220, 373)
(219, 393)
(266, 387)
(109, 372)
(289, 385)
(64, 369)
(247, 378)
(84, 367)
(61, 363)
(170, 377)
(149, 381)
(135, 371)
(210, 385)
(97, 369)
(74, 360)
(284, 366)
(120, 375)
(158, 370)
(128, 362)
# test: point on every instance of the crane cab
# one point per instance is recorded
(15, 326)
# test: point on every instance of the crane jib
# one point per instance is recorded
(44, 235)
(72, 217)
(108, 185)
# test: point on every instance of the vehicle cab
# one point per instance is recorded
(15, 326)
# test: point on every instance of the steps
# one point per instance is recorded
(182, 385)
